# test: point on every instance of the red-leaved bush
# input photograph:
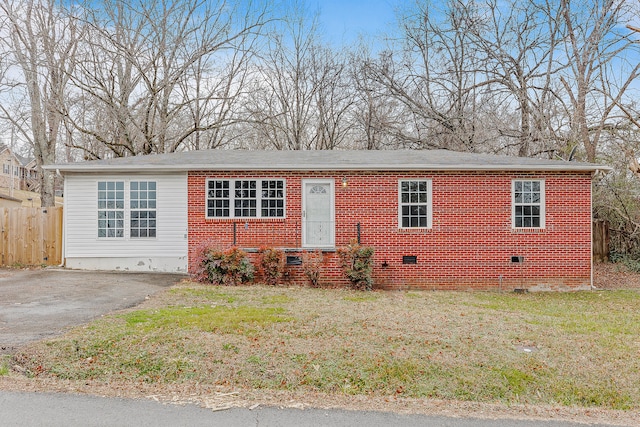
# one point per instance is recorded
(271, 265)
(229, 267)
(357, 265)
(311, 263)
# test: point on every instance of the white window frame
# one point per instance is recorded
(258, 198)
(429, 203)
(541, 204)
(108, 209)
(146, 206)
(126, 210)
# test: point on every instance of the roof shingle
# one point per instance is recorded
(225, 160)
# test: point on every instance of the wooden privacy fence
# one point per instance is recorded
(600, 240)
(31, 236)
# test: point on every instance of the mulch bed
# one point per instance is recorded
(614, 276)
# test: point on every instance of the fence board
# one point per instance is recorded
(31, 236)
(600, 241)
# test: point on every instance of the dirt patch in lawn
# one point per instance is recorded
(615, 276)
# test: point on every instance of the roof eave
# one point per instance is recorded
(324, 167)
(116, 169)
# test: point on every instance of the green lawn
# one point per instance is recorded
(547, 348)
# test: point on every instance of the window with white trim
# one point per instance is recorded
(218, 199)
(245, 198)
(528, 203)
(414, 203)
(272, 203)
(142, 204)
(111, 209)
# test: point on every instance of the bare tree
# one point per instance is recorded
(216, 89)
(373, 112)
(303, 95)
(334, 98)
(431, 77)
(42, 41)
(162, 74)
(517, 45)
(281, 110)
(597, 77)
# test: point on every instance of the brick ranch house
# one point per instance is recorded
(436, 219)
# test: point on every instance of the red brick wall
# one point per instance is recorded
(469, 246)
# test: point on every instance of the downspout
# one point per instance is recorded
(593, 175)
(63, 257)
(11, 156)
(603, 171)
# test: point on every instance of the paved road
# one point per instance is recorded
(36, 304)
(68, 410)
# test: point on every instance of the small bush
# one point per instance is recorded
(311, 262)
(616, 257)
(197, 268)
(272, 265)
(230, 267)
(357, 263)
(630, 262)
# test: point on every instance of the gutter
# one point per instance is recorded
(323, 167)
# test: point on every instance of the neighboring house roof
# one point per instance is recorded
(24, 161)
(3, 148)
(396, 160)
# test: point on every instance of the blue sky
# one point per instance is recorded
(342, 21)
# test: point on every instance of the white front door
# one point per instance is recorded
(318, 219)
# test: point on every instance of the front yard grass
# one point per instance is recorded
(574, 349)
(4, 365)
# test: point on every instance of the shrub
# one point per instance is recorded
(357, 264)
(230, 267)
(197, 268)
(272, 265)
(311, 262)
(631, 262)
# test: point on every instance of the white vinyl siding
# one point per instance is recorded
(81, 225)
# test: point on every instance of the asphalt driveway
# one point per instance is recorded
(36, 304)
